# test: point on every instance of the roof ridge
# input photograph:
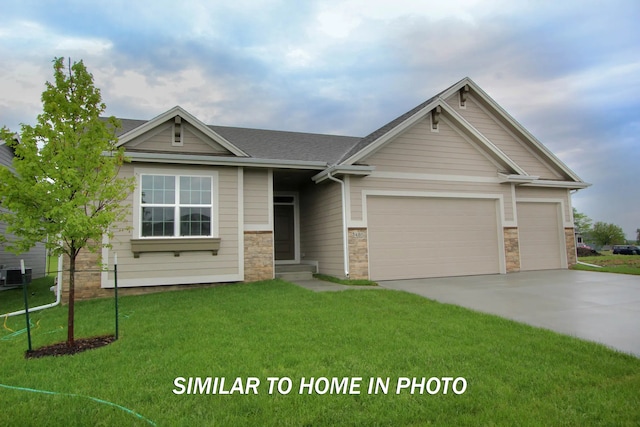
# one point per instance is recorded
(284, 131)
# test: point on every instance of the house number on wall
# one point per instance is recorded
(358, 234)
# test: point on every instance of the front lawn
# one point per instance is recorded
(347, 282)
(515, 374)
(623, 264)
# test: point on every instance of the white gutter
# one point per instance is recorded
(42, 307)
(557, 184)
(192, 159)
(345, 231)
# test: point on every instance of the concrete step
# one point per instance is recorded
(290, 268)
(292, 276)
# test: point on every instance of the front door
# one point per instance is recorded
(284, 231)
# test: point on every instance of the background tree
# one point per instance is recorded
(581, 222)
(65, 191)
(607, 234)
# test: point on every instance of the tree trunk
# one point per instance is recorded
(72, 298)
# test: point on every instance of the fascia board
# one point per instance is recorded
(481, 138)
(359, 170)
(557, 184)
(521, 129)
(383, 139)
(194, 159)
(136, 132)
(177, 110)
(455, 88)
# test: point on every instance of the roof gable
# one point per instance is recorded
(391, 130)
(446, 151)
(529, 142)
(174, 128)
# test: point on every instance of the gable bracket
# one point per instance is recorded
(435, 117)
(464, 93)
(177, 132)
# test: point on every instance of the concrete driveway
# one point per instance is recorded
(601, 307)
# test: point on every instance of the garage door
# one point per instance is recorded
(539, 235)
(414, 237)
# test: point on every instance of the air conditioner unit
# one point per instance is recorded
(13, 276)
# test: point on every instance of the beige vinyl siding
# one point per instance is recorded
(321, 232)
(160, 139)
(420, 150)
(560, 194)
(360, 184)
(414, 237)
(190, 267)
(256, 197)
(505, 140)
(541, 236)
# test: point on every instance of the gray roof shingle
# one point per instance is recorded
(275, 145)
(270, 144)
(283, 145)
(392, 124)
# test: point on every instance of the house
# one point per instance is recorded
(36, 258)
(455, 186)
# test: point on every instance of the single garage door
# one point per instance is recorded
(414, 237)
(540, 236)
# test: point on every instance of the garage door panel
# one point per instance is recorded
(431, 237)
(540, 236)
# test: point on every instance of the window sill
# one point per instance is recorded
(176, 246)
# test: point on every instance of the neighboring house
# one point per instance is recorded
(36, 258)
(453, 187)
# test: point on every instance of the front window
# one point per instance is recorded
(176, 206)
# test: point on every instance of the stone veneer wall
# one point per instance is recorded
(570, 241)
(512, 249)
(258, 255)
(358, 254)
(88, 280)
(87, 277)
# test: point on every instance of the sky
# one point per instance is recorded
(568, 71)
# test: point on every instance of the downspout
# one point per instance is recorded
(345, 230)
(42, 307)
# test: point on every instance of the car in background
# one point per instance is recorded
(626, 250)
(584, 246)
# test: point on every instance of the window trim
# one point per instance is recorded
(177, 173)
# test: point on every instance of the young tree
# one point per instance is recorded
(607, 234)
(65, 190)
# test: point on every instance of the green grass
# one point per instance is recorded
(517, 375)
(52, 265)
(38, 294)
(622, 264)
(350, 282)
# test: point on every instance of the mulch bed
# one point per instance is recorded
(62, 349)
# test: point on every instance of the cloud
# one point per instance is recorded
(568, 71)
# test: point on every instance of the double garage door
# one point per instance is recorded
(414, 237)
